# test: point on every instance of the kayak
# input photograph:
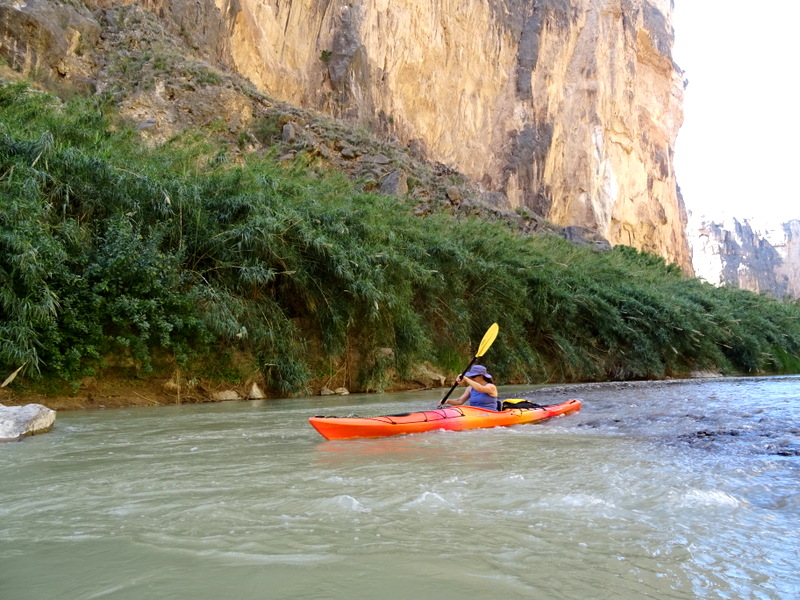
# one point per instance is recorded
(452, 418)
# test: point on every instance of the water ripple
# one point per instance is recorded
(675, 490)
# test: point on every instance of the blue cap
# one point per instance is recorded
(478, 370)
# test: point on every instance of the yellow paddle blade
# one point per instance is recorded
(488, 339)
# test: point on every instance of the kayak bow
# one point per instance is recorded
(455, 418)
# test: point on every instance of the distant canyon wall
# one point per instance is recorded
(754, 256)
(567, 108)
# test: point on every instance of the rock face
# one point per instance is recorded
(17, 422)
(567, 108)
(761, 257)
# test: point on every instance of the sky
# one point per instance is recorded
(738, 151)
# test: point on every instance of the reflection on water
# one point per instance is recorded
(673, 490)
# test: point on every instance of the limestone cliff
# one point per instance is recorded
(762, 257)
(567, 108)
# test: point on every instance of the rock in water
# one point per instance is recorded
(18, 421)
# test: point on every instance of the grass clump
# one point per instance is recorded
(112, 249)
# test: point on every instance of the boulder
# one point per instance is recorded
(454, 195)
(429, 378)
(395, 184)
(378, 159)
(18, 421)
(256, 393)
(289, 133)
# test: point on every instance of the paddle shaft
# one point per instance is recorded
(486, 342)
(455, 383)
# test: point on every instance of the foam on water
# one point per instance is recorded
(709, 498)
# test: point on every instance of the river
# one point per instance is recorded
(681, 489)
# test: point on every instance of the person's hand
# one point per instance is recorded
(459, 379)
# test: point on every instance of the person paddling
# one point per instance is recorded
(480, 392)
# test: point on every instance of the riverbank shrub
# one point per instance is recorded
(109, 248)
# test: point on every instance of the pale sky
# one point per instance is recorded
(739, 148)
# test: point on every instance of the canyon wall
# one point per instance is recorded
(568, 109)
(748, 254)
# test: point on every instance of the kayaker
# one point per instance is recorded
(480, 392)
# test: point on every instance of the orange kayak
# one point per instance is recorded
(452, 418)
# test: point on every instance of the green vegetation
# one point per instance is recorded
(174, 255)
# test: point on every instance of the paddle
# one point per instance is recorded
(486, 342)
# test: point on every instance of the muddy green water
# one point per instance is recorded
(680, 490)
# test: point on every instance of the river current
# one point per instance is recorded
(666, 490)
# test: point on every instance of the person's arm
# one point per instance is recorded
(484, 388)
(461, 399)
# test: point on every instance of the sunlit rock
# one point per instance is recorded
(752, 254)
(429, 378)
(17, 422)
(255, 392)
(225, 395)
(568, 108)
